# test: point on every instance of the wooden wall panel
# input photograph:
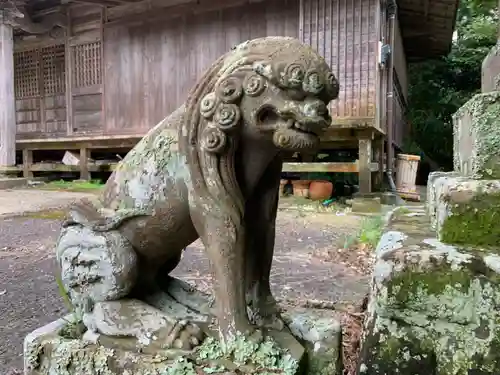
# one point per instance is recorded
(39, 76)
(149, 69)
(86, 89)
(344, 32)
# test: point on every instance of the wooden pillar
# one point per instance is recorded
(7, 100)
(27, 163)
(84, 164)
(378, 149)
(365, 158)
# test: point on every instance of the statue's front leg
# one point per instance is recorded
(224, 243)
(260, 226)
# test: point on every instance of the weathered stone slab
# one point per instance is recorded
(56, 349)
(434, 308)
(468, 212)
(490, 71)
(321, 334)
(477, 137)
(434, 183)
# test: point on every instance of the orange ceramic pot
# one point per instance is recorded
(301, 188)
(320, 190)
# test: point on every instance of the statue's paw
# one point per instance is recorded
(272, 321)
(185, 335)
(266, 314)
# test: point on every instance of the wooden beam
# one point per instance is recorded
(59, 167)
(102, 3)
(7, 100)
(348, 167)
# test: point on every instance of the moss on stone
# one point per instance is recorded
(474, 222)
(434, 309)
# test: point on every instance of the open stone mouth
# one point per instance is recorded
(270, 118)
(299, 127)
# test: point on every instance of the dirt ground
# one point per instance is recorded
(306, 265)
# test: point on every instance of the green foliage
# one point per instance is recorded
(78, 185)
(440, 87)
(369, 234)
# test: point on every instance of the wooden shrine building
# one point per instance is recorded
(89, 75)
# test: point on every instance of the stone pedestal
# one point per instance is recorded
(312, 340)
(434, 308)
(7, 99)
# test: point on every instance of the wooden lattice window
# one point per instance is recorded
(87, 65)
(26, 74)
(54, 72)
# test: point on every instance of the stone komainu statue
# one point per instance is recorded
(218, 181)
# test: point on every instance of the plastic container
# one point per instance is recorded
(406, 174)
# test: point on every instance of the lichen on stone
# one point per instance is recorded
(242, 351)
(436, 310)
(476, 131)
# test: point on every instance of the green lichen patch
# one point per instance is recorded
(473, 222)
(246, 354)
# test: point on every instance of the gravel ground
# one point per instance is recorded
(29, 297)
(28, 200)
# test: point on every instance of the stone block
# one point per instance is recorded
(435, 182)
(11, 183)
(368, 204)
(433, 308)
(490, 71)
(56, 349)
(468, 212)
(476, 148)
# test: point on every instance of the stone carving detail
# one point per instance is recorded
(265, 97)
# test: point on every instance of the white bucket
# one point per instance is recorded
(406, 173)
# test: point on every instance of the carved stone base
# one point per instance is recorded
(130, 339)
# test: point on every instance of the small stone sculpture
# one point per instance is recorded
(263, 98)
